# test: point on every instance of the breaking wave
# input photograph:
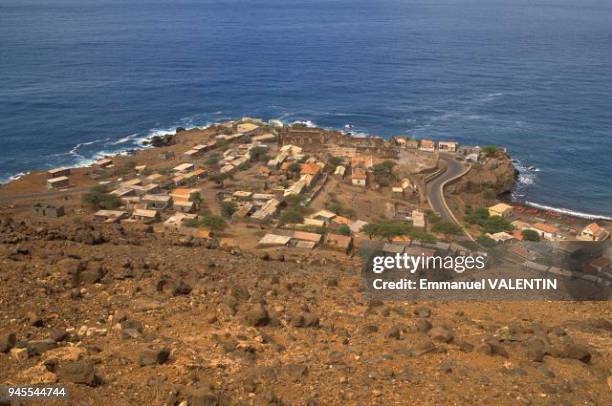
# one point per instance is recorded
(573, 213)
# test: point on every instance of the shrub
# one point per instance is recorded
(98, 198)
(228, 208)
(530, 235)
(446, 227)
(343, 229)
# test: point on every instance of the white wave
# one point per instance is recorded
(74, 149)
(125, 139)
(11, 178)
(307, 123)
(569, 212)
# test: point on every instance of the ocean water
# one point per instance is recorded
(80, 78)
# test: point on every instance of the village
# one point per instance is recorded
(268, 186)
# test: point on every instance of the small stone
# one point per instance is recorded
(39, 347)
(81, 372)
(536, 350)
(423, 312)
(395, 333)
(423, 325)
(423, 347)
(7, 341)
(153, 357)
(257, 316)
(35, 320)
(442, 334)
(181, 288)
(19, 354)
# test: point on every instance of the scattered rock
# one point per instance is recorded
(442, 334)
(257, 316)
(7, 341)
(39, 347)
(19, 354)
(81, 372)
(153, 357)
(423, 312)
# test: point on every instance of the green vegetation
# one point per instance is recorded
(383, 172)
(294, 213)
(489, 224)
(304, 159)
(99, 198)
(244, 166)
(485, 240)
(490, 150)
(126, 168)
(432, 217)
(334, 205)
(228, 208)
(294, 167)
(208, 221)
(213, 159)
(334, 161)
(391, 228)
(259, 154)
(343, 229)
(446, 228)
(531, 235)
(291, 215)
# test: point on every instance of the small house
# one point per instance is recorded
(593, 232)
(274, 240)
(48, 210)
(340, 171)
(447, 146)
(359, 177)
(157, 202)
(418, 218)
(338, 242)
(58, 172)
(175, 222)
(183, 206)
(427, 145)
(145, 215)
(103, 163)
(324, 215)
(109, 216)
(500, 209)
(547, 231)
(58, 183)
(185, 167)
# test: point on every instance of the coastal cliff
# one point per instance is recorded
(495, 176)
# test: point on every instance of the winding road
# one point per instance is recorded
(435, 187)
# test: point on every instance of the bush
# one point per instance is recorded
(213, 159)
(490, 150)
(391, 228)
(213, 223)
(446, 227)
(98, 198)
(530, 235)
(259, 154)
(343, 229)
(334, 161)
(291, 215)
(228, 208)
(485, 240)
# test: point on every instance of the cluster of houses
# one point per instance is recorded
(546, 231)
(465, 152)
(323, 220)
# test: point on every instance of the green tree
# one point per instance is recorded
(343, 229)
(485, 240)
(490, 150)
(334, 161)
(213, 159)
(291, 215)
(228, 208)
(294, 167)
(446, 228)
(213, 223)
(530, 235)
(99, 198)
(259, 154)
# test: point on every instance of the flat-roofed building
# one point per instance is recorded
(500, 209)
(176, 221)
(157, 202)
(184, 206)
(593, 232)
(338, 242)
(447, 146)
(145, 215)
(427, 145)
(274, 240)
(109, 216)
(48, 210)
(58, 183)
(58, 172)
(187, 166)
(418, 218)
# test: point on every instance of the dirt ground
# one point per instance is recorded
(155, 319)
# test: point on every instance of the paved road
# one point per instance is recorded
(434, 188)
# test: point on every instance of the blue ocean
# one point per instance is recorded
(81, 78)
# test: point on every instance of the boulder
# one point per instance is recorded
(257, 316)
(80, 372)
(7, 341)
(153, 357)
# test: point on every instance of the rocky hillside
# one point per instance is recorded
(496, 174)
(131, 317)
